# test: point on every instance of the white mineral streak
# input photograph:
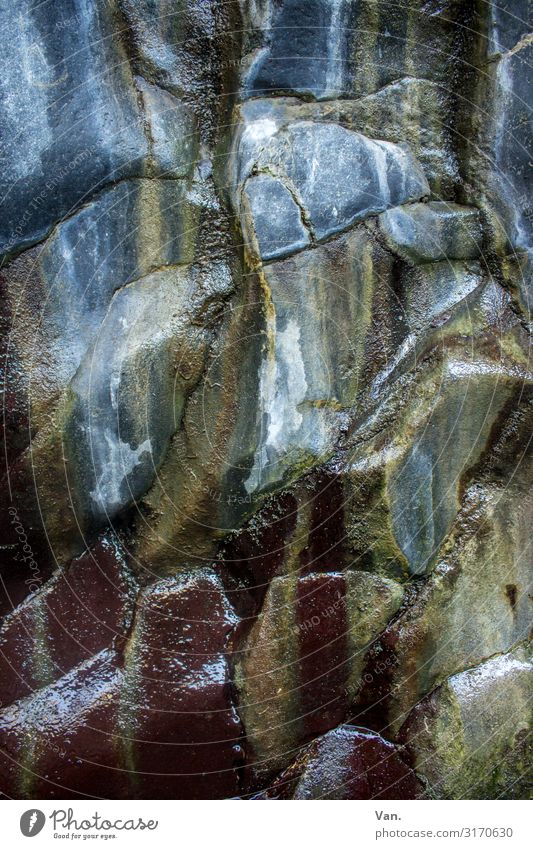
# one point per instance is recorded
(379, 150)
(406, 346)
(282, 387)
(254, 137)
(25, 105)
(334, 75)
(460, 369)
(258, 13)
(120, 462)
(467, 685)
(522, 236)
(257, 132)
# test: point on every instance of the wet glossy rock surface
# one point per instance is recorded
(347, 763)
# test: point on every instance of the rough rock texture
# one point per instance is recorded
(267, 399)
(470, 738)
(347, 763)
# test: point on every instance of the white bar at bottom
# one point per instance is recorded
(273, 825)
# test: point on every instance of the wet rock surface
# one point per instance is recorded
(433, 231)
(267, 400)
(470, 738)
(347, 763)
(337, 176)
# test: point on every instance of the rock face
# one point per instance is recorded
(470, 738)
(334, 176)
(267, 400)
(347, 763)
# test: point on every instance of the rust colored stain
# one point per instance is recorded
(323, 652)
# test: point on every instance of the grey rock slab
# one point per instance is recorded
(188, 48)
(130, 390)
(429, 232)
(127, 232)
(338, 177)
(503, 170)
(274, 217)
(311, 361)
(436, 288)
(307, 52)
(341, 176)
(425, 484)
(70, 120)
(412, 111)
(510, 20)
(173, 132)
(123, 416)
(329, 49)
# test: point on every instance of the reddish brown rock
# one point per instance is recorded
(157, 720)
(301, 528)
(258, 551)
(182, 734)
(325, 548)
(347, 763)
(324, 656)
(61, 742)
(77, 613)
(301, 663)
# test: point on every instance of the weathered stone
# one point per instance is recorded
(471, 738)
(99, 718)
(344, 51)
(62, 292)
(452, 417)
(306, 379)
(410, 111)
(310, 63)
(129, 393)
(196, 478)
(302, 661)
(170, 45)
(182, 734)
(107, 436)
(79, 612)
(339, 177)
(347, 763)
(435, 291)
(70, 120)
(275, 218)
(430, 232)
(173, 132)
(286, 337)
(485, 558)
(510, 21)
(61, 741)
(502, 168)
